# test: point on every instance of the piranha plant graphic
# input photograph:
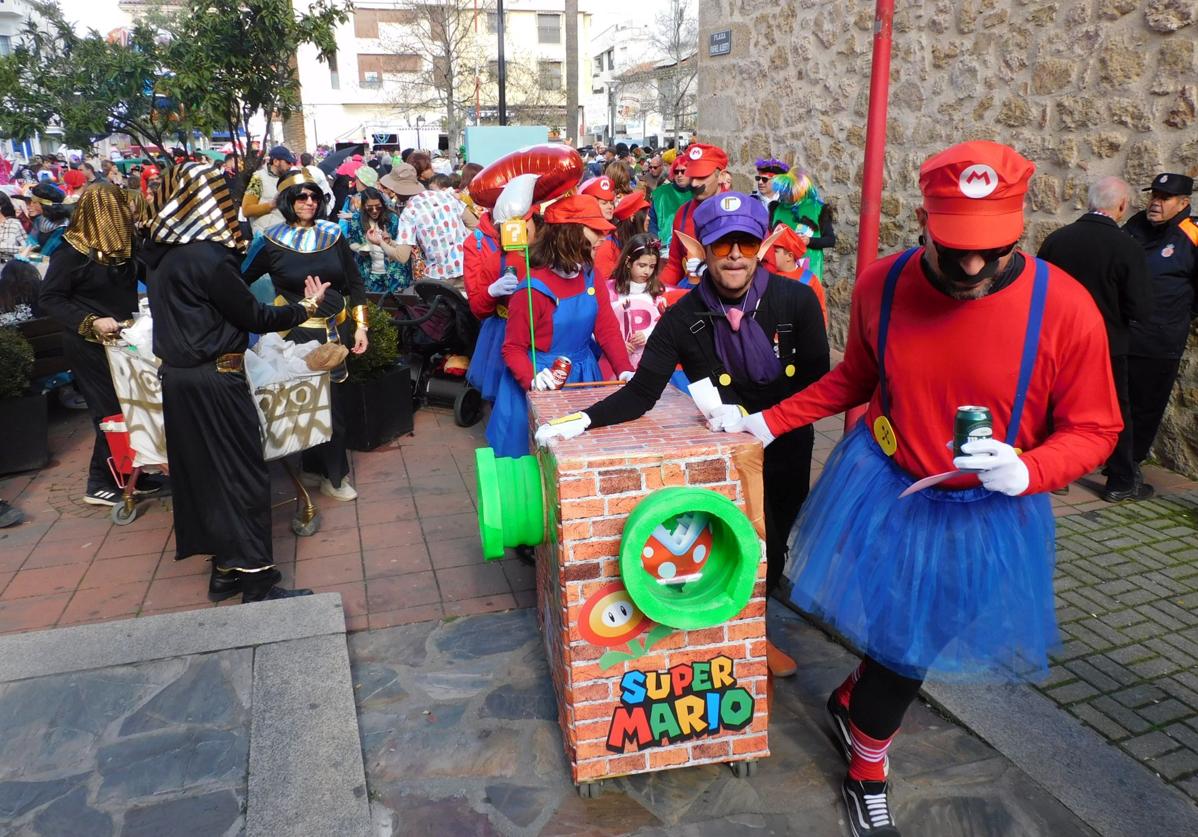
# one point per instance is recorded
(676, 555)
(610, 619)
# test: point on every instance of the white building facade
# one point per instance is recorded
(372, 91)
(617, 111)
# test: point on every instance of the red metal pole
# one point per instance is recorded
(875, 152)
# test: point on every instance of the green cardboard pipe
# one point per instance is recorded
(511, 502)
(729, 572)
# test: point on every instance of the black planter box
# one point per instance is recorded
(378, 410)
(25, 443)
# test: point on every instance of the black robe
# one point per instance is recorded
(75, 288)
(203, 309)
(333, 264)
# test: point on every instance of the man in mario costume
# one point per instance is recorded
(952, 580)
(704, 165)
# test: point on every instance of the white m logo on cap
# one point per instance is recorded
(978, 181)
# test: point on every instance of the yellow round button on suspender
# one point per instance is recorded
(884, 433)
(725, 380)
(591, 291)
(790, 370)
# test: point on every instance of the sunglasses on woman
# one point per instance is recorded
(748, 247)
(307, 197)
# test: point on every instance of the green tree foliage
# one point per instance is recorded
(83, 84)
(212, 65)
(231, 59)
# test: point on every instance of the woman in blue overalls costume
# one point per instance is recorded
(566, 312)
(486, 364)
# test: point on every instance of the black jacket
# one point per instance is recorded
(1111, 266)
(1172, 251)
(684, 335)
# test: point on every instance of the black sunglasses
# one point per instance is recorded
(307, 196)
(990, 255)
(764, 178)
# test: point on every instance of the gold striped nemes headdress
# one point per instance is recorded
(297, 177)
(193, 204)
(101, 225)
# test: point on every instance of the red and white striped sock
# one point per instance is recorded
(868, 763)
(845, 690)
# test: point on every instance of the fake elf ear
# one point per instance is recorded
(694, 250)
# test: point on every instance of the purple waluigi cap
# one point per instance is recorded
(730, 212)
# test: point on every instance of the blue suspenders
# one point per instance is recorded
(1031, 338)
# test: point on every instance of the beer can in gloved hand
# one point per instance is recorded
(561, 370)
(972, 423)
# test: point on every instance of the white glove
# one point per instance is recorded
(723, 416)
(505, 285)
(566, 427)
(997, 465)
(544, 380)
(752, 423)
(625, 376)
(692, 266)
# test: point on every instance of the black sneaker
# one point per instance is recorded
(9, 516)
(868, 808)
(840, 726)
(1140, 491)
(224, 585)
(840, 731)
(103, 496)
(148, 484)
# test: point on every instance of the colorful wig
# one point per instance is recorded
(792, 188)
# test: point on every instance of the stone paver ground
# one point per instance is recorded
(406, 551)
(1127, 603)
(139, 750)
(460, 736)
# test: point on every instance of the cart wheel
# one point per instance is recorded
(122, 516)
(468, 407)
(743, 769)
(590, 790)
(306, 530)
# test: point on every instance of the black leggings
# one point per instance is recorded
(880, 699)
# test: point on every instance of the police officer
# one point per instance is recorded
(757, 337)
(1170, 240)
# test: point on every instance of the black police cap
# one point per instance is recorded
(1171, 184)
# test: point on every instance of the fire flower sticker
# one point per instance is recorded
(611, 620)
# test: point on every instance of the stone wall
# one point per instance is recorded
(1082, 88)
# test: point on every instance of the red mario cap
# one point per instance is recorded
(973, 194)
(599, 187)
(702, 160)
(630, 205)
(578, 209)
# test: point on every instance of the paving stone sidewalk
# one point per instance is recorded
(460, 736)
(1127, 602)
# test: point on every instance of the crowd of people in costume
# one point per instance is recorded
(652, 271)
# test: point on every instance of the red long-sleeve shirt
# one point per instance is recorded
(482, 263)
(942, 353)
(605, 255)
(516, 343)
(684, 219)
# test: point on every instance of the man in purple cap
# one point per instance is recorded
(757, 337)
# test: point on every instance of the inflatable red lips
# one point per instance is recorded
(559, 166)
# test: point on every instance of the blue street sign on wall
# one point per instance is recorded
(720, 43)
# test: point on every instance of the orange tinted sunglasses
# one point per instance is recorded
(748, 247)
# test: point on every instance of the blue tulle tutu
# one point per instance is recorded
(486, 364)
(953, 585)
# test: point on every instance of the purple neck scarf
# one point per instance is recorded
(741, 344)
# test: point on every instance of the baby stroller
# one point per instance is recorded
(438, 333)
